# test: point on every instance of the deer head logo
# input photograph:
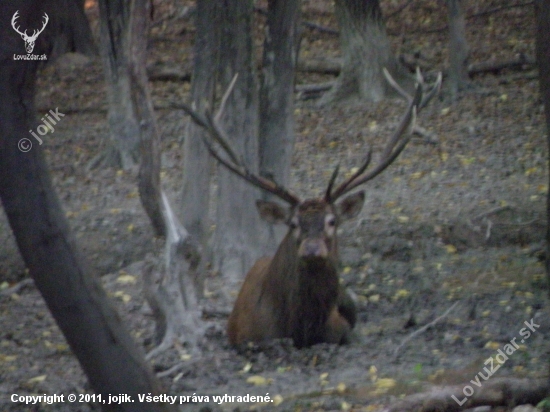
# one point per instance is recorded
(29, 40)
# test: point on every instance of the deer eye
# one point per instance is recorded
(293, 224)
(331, 221)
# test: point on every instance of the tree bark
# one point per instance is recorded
(276, 138)
(109, 357)
(366, 51)
(276, 91)
(458, 48)
(237, 240)
(116, 45)
(149, 170)
(197, 163)
(542, 45)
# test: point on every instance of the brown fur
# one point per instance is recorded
(293, 296)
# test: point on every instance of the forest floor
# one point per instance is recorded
(455, 227)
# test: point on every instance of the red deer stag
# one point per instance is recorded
(296, 293)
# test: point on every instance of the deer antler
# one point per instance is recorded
(35, 32)
(233, 164)
(397, 142)
(13, 21)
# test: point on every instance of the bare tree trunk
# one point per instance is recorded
(277, 137)
(116, 45)
(197, 163)
(237, 239)
(458, 48)
(276, 91)
(366, 51)
(80, 306)
(172, 287)
(542, 14)
(149, 171)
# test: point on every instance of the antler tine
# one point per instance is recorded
(330, 196)
(400, 137)
(331, 182)
(233, 164)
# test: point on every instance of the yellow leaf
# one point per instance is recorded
(126, 279)
(374, 298)
(4, 285)
(450, 249)
(115, 211)
(531, 171)
(277, 400)
(257, 380)
(119, 172)
(542, 189)
(373, 370)
(123, 296)
(373, 126)
(130, 227)
(402, 219)
(346, 270)
(417, 175)
(504, 97)
(401, 293)
(7, 358)
(37, 379)
(384, 384)
(247, 367)
(492, 345)
(341, 388)
(444, 156)
(332, 144)
(445, 111)
(345, 406)
(323, 376)
(485, 313)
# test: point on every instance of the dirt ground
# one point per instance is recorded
(453, 229)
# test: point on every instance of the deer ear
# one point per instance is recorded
(272, 212)
(350, 206)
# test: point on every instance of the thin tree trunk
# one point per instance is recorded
(172, 287)
(237, 240)
(116, 45)
(149, 171)
(366, 51)
(277, 137)
(458, 47)
(197, 162)
(542, 14)
(109, 357)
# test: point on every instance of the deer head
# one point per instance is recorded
(29, 40)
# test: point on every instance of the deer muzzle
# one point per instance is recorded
(315, 247)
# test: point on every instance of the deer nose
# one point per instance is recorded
(313, 248)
